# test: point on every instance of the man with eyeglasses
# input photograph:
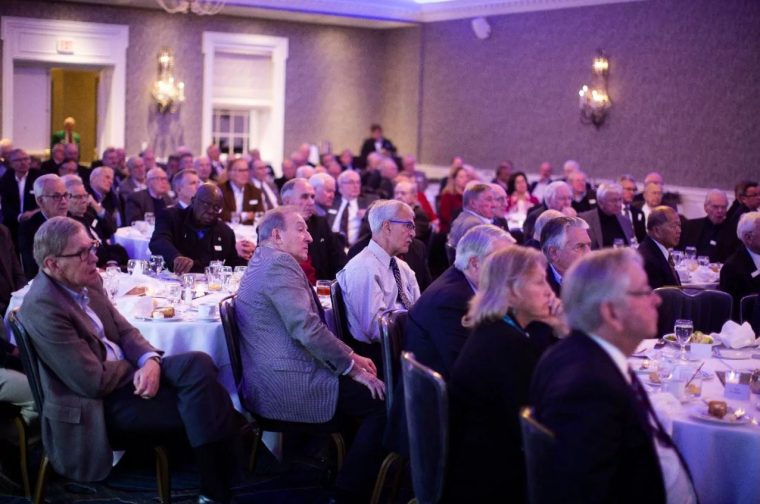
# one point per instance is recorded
(190, 238)
(350, 205)
(101, 188)
(376, 280)
(239, 195)
(53, 201)
(101, 372)
(564, 240)
(155, 199)
(609, 445)
(16, 193)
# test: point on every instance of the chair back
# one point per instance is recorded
(749, 311)
(392, 326)
(29, 358)
(427, 420)
(339, 312)
(708, 309)
(232, 337)
(538, 445)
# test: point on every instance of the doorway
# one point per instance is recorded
(74, 93)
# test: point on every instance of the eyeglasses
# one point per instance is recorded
(205, 206)
(78, 196)
(56, 197)
(640, 293)
(350, 182)
(84, 253)
(407, 224)
(166, 179)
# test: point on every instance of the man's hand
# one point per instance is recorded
(376, 386)
(147, 379)
(182, 265)
(364, 363)
(569, 211)
(27, 215)
(556, 318)
(94, 205)
(245, 249)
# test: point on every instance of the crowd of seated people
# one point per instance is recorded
(487, 319)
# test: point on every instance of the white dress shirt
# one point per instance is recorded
(238, 193)
(369, 290)
(354, 221)
(21, 182)
(678, 487)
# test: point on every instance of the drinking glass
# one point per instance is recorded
(235, 218)
(156, 263)
(618, 243)
(112, 271)
(174, 292)
(112, 286)
(677, 257)
(683, 329)
(690, 252)
(150, 218)
(703, 261)
(240, 270)
(131, 265)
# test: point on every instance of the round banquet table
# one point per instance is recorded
(724, 460)
(136, 242)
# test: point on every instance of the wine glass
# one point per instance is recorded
(131, 265)
(683, 329)
(174, 293)
(156, 263)
(112, 286)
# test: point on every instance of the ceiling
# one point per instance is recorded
(373, 13)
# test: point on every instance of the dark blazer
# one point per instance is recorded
(326, 249)
(656, 265)
(140, 202)
(530, 220)
(76, 375)
(253, 200)
(489, 384)
(552, 281)
(26, 232)
(639, 223)
(717, 242)
(736, 277)
(10, 199)
(363, 200)
(111, 203)
(176, 234)
(587, 203)
(604, 449)
(596, 231)
(102, 227)
(11, 275)
(368, 147)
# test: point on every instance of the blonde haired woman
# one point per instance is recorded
(512, 318)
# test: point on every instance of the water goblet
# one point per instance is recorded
(683, 329)
(174, 292)
(156, 263)
(690, 252)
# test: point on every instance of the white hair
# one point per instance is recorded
(747, 224)
(541, 221)
(479, 241)
(41, 182)
(551, 190)
(71, 181)
(304, 171)
(320, 179)
(384, 210)
(605, 189)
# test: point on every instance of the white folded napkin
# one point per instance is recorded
(733, 335)
(666, 406)
(135, 306)
(703, 275)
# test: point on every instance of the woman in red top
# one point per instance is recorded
(451, 197)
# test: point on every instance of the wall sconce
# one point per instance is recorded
(166, 91)
(199, 7)
(594, 101)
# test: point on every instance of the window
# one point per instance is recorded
(231, 130)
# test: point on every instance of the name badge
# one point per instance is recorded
(641, 216)
(713, 243)
(332, 211)
(94, 224)
(592, 202)
(253, 202)
(755, 273)
(218, 248)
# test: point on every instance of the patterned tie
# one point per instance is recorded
(672, 264)
(397, 275)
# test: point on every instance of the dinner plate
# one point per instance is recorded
(203, 319)
(701, 414)
(734, 354)
(151, 319)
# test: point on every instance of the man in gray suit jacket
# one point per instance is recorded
(99, 376)
(606, 222)
(478, 202)
(294, 368)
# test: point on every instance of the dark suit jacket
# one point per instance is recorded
(111, 203)
(11, 276)
(587, 203)
(76, 375)
(140, 202)
(552, 281)
(596, 230)
(530, 220)
(736, 277)
(326, 249)
(176, 234)
(717, 242)
(489, 384)
(604, 449)
(10, 199)
(102, 227)
(26, 232)
(639, 223)
(368, 147)
(252, 200)
(656, 265)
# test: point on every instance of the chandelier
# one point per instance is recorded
(594, 101)
(198, 7)
(166, 91)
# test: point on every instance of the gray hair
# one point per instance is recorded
(304, 171)
(715, 192)
(554, 232)
(594, 279)
(541, 221)
(53, 236)
(627, 177)
(290, 186)
(473, 191)
(320, 179)
(274, 219)
(179, 178)
(41, 182)
(97, 171)
(344, 175)
(605, 189)
(479, 241)
(384, 210)
(131, 162)
(154, 172)
(551, 190)
(72, 181)
(570, 163)
(747, 223)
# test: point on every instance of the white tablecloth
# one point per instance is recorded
(136, 243)
(724, 460)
